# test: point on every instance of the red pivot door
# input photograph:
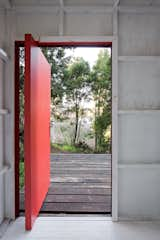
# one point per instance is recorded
(36, 129)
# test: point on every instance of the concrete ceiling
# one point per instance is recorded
(55, 2)
(19, 3)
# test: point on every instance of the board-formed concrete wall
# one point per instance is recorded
(138, 89)
(7, 37)
(1, 145)
(2, 191)
(139, 128)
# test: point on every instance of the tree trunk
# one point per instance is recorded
(96, 136)
(78, 130)
(76, 126)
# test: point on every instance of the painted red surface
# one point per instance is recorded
(36, 129)
(68, 44)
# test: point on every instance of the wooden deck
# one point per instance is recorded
(80, 183)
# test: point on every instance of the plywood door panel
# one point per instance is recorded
(36, 129)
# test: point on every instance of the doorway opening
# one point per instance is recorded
(80, 129)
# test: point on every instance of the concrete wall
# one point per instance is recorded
(139, 131)
(138, 93)
(7, 120)
(1, 145)
(2, 190)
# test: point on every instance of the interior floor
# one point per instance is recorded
(86, 228)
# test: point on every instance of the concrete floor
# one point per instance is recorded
(83, 228)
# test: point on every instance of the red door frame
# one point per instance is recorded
(19, 44)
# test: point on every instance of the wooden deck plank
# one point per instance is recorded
(79, 183)
(78, 198)
(82, 176)
(75, 190)
(82, 185)
(76, 207)
(84, 164)
(81, 170)
(84, 179)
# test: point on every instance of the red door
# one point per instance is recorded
(36, 129)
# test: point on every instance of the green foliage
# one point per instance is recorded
(77, 74)
(77, 89)
(65, 148)
(101, 87)
(89, 135)
(21, 174)
(84, 147)
(59, 63)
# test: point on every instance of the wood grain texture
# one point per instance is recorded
(80, 183)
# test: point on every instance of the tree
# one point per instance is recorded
(101, 87)
(59, 63)
(77, 88)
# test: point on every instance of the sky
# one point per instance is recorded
(89, 54)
